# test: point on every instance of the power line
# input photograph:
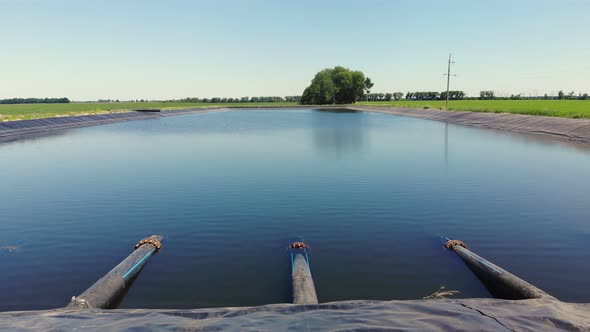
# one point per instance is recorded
(448, 74)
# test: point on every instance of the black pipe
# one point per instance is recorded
(499, 282)
(109, 290)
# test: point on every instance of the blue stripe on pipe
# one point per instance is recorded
(137, 264)
(292, 265)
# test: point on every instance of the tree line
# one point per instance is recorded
(219, 100)
(490, 95)
(460, 95)
(362, 93)
(433, 95)
(389, 96)
(35, 101)
(571, 95)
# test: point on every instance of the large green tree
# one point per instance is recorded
(336, 85)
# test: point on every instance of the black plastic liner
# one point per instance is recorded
(15, 130)
(421, 315)
(577, 130)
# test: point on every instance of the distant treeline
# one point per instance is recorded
(489, 95)
(389, 96)
(431, 95)
(419, 95)
(217, 100)
(35, 101)
(460, 95)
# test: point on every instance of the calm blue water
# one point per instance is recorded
(371, 194)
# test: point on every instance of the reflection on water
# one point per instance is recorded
(371, 194)
(446, 145)
(31, 137)
(338, 134)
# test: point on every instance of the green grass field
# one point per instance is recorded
(556, 108)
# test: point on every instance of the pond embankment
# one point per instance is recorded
(576, 130)
(14, 130)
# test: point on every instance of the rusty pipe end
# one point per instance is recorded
(450, 244)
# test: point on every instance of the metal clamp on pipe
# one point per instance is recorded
(150, 240)
(109, 290)
(499, 282)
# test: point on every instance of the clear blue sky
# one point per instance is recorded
(121, 49)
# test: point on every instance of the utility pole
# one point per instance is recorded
(448, 81)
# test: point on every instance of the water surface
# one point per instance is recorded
(371, 193)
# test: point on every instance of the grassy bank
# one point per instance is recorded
(10, 112)
(557, 108)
